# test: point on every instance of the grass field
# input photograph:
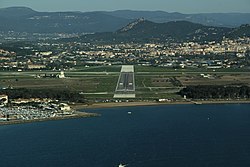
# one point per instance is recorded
(222, 79)
(115, 68)
(99, 82)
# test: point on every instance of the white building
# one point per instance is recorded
(64, 107)
(61, 75)
(3, 99)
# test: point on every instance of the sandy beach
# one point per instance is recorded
(143, 103)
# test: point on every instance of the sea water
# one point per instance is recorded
(150, 136)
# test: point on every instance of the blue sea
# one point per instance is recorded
(151, 136)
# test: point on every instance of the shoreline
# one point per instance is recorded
(83, 114)
(151, 103)
(73, 116)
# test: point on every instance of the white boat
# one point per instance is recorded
(129, 112)
(121, 165)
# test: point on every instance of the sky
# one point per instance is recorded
(183, 6)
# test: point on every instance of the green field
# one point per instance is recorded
(99, 82)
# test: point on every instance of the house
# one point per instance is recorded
(61, 75)
(3, 99)
(64, 107)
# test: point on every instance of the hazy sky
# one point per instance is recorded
(183, 6)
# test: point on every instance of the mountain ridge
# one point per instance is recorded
(143, 30)
(23, 19)
(211, 19)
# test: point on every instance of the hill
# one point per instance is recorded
(242, 31)
(143, 30)
(209, 19)
(22, 19)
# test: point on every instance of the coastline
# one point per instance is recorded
(80, 114)
(150, 103)
(73, 116)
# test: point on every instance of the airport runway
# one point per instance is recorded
(126, 83)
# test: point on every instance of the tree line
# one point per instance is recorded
(215, 92)
(62, 95)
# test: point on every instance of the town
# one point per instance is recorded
(66, 55)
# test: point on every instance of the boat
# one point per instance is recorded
(129, 112)
(121, 165)
(198, 103)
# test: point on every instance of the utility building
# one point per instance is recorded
(3, 99)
